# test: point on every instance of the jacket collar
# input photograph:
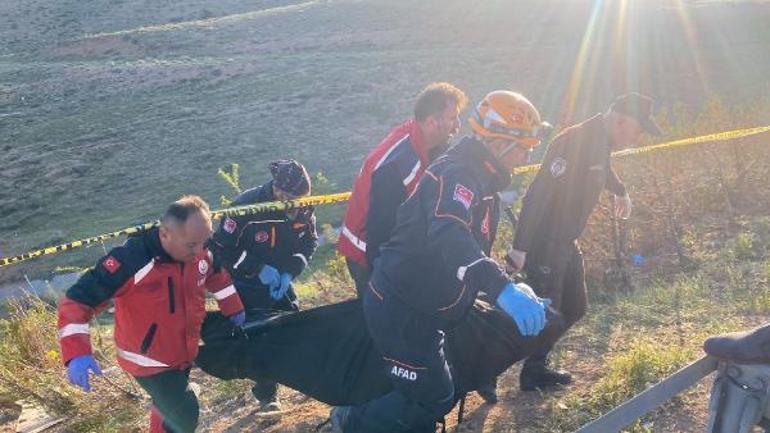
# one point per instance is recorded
(418, 141)
(266, 192)
(155, 247)
(598, 126)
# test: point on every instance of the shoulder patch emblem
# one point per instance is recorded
(261, 237)
(464, 195)
(111, 264)
(229, 225)
(203, 267)
(558, 167)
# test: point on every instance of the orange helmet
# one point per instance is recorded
(510, 116)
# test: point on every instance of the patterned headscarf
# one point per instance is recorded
(290, 176)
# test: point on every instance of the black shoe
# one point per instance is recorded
(266, 394)
(537, 375)
(488, 392)
(272, 405)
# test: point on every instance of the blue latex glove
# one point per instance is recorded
(77, 371)
(238, 319)
(280, 291)
(526, 308)
(270, 277)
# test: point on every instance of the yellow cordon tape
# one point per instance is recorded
(274, 206)
(720, 136)
(344, 196)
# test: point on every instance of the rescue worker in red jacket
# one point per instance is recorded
(575, 170)
(265, 252)
(158, 281)
(392, 171)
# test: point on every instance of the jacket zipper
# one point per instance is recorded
(171, 303)
(148, 337)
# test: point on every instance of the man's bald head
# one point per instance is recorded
(185, 228)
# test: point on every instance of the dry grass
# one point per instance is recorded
(31, 369)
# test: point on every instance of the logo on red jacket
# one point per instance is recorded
(261, 237)
(230, 225)
(464, 195)
(203, 267)
(111, 264)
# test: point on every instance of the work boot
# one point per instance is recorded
(266, 392)
(536, 374)
(339, 418)
(270, 405)
(488, 392)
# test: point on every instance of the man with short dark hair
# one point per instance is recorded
(158, 280)
(556, 207)
(265, 253)
(392, 171)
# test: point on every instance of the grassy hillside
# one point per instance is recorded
(702, 229)
(111, 109)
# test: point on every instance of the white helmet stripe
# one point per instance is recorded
(491, 116)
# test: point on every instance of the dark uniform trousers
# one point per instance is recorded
(172, 397)
(257, 296)
(413, 352)
(555, 271)
(360, 275)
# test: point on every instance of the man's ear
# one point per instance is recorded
(163, 231)
(431, 122)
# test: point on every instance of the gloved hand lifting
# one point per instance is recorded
(270, 277)
(527, 309)
(280, 291)
(78, 368)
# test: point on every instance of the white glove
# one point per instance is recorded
(514, 260)
(622, 207)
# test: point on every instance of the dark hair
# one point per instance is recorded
(181, 209)
(436, 97)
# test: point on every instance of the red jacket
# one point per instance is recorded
(390, 172)
(159, 305)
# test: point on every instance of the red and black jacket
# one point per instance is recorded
(389, 175)
(159, 305)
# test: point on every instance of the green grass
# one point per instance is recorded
(644, 336)
(101, 133)
(104, 132)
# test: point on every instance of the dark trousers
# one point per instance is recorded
(255, 295)
(555, 271)
(173, 399)
(413, 351)
(360, 275)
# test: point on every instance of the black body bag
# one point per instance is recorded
(326, 352)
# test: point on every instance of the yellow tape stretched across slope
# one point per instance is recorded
(234, 211)
(344, 196)
(720, 136)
